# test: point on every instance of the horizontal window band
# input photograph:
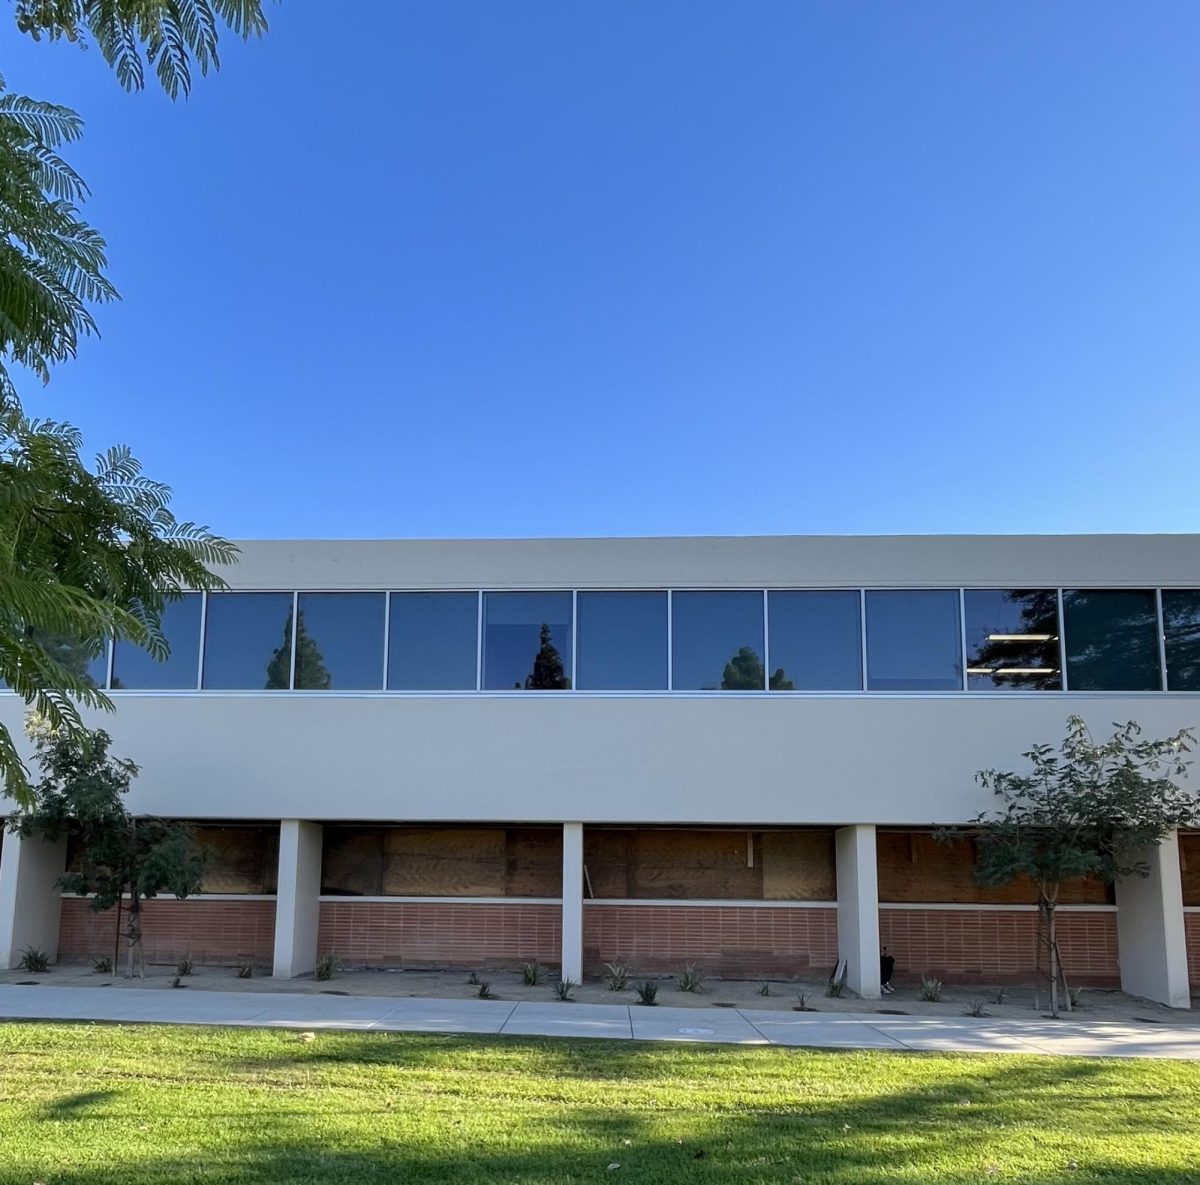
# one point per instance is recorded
(190, 897)
(981, 907)
(709, 903)
(339, 899)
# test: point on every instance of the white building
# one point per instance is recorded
(655, 751)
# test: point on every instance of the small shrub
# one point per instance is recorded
(184, 966)
(690, 979)
(177, 982)
(1000, 996)
(473, 979)
(102, 967)
(245, 970)
(1076, 994)
(485, 990)
(563, 990)
(327, 965)
(33, 959)
(834, 988)
(931, 989)
(532, 974)
(616, 975)
(977, 1007)
(764, 988)
(647, 993)
(802, 1004)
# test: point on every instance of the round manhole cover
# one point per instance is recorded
(697, 1032)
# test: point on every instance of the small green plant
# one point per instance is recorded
(802, 1004)
(647, 993)
(245, 970)
(1076, 994)
(473, 979)
(690, 979)
(977, 1007)
(931, 989)
(616, 976)
(177, 982)
(532, 974)
(764, 988)
(33, 959)
(102, 967)
(834, 988)
(326, 967)
(563, 990)
(184, 966)
(485, 990)
(999, 996)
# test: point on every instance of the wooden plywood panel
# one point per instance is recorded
(693, 865)
(916, 867)
(1189, 867)
(533, 862)
(799, 866)
(606, 858)
(451, 862)
(352, 862)
(238, 859)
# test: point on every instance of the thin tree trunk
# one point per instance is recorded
(1054, 972)
(136, 966)
(116, 956)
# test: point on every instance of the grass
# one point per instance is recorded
(103, 1104)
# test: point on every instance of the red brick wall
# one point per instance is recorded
(440, 934)
(997, 946)
(733, 940)
(208, 931)
(1191, 929)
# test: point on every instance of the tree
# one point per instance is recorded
(548, 672)
(743, 672)
(123, 855)
(85, 556)
(1087, 808)
(311, 671)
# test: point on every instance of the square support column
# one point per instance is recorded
(858, 908)
(30, 899)
(572, 902)
(297, 901)
(1150, 934)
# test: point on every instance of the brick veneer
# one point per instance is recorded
(997, 946)
(210, 931)
(1191, 930)
(724, 939)
(441, 934)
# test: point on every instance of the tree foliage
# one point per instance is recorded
(173, 37)
(85, 556)
(121, 855)
(548, 672)
(1086, 808)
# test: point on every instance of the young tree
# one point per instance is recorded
(85, 556)
(743, 672)
(123, 855)
(311, 672)
(548, 671)
(1087, 808)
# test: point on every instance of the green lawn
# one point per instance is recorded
(96, 1103)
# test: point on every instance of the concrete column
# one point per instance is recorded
(30, 899)
(1150, 933)
(572, 902)
(858, 908)
(297, 902)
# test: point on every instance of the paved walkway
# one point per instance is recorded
(743, 1026)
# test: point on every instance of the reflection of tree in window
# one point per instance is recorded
(744, 672)
(780, 681)
(548, 671)
(1003, 646)
(311, 672)
(80, 658)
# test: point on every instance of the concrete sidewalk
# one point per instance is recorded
(744, 1026)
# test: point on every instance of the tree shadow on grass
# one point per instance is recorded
(76, 1105)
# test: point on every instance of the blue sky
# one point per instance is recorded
(654, 267)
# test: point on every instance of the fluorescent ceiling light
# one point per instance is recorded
(1022, 637)
(1012, 670)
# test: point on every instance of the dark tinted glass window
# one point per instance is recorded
(913, 640)
(1111, 637)
(527, 641)
(134, 668)
(1012, 639)
(248, 641)
(1181, 625)
(717, 641)
(434, 639)
(622, 641)
(79, 658)
(339, 642)
(815, 640)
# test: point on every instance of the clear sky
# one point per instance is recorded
(657, 266)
